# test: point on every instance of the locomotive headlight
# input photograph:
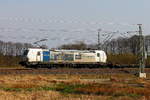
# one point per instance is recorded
(25, 59)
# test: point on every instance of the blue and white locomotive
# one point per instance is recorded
(38, 57)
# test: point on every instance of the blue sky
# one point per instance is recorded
(76, 19)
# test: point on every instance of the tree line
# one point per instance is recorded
(13, 49)
(126, 45)
(10, 53)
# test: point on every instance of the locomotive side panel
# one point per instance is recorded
(45, 57)
(85, 57)
(101, 56)
(34, 55)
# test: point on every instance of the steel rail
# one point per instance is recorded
(72, 71)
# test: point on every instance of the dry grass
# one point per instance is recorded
(56, 87)
(46, 95)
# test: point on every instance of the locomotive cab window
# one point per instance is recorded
(38, 53)
(98, 54)
(25, 52)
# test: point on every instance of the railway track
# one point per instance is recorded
(71, 71)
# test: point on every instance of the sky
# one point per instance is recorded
(67, 21)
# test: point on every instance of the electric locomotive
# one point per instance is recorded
(38, 57)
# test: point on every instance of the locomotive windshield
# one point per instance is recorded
(25, 52)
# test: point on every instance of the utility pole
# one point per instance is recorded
(142, 73)
(99, 45)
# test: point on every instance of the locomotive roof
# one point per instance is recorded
(63, 50)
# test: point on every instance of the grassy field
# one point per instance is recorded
(74, 87)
